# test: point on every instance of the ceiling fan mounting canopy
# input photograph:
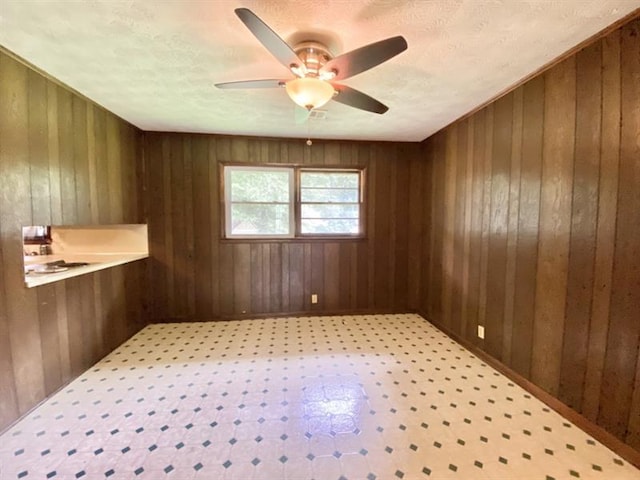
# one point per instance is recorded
(316, 70)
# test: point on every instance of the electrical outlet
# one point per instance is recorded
(480, 331)
(314, 298)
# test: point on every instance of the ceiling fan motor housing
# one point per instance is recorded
(314, 56)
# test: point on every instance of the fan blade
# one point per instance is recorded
(356, 99)
(271, 83)
(363, 58)
(270, 39)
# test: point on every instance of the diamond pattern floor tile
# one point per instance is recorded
(377, 397)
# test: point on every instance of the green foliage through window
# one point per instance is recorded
(260, 202)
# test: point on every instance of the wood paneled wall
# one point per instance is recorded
(196, 275)
(63, 160)
(532, 214)
(522, 217)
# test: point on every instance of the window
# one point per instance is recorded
(329, 202)
(259, 201)
(292, 202)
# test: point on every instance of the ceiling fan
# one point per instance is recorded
(315, 69)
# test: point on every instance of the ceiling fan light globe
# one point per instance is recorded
(309, 92)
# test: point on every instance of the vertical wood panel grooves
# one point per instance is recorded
(522, 217)
(244, 278)
(53, 149)
(554, 235)
(623, 342)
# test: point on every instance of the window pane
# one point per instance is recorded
(259, 219)
(329, 211)
(259, 186)
(259, 201)
(328, 179)
(329, 202)
(337, 227)
(342, 195)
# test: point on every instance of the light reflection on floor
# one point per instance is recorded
(354, 397)
(334, 407)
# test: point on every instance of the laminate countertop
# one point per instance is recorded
(35, 266)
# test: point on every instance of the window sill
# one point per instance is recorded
(295, 240)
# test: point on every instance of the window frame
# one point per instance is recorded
(298, 203)
(228, 170)
(295, 202)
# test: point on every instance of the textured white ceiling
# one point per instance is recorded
(155, 62)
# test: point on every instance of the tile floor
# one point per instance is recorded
(352, 397)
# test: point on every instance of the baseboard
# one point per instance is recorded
(304, 313)
(625, 451)
(64, 385)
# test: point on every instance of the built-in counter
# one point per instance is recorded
(96, 246)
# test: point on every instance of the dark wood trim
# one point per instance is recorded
(298, 169)
(297, 203)
(547, 66)
(53, 80)
(299, 313)
(299, 142)
(316, 239)
(617, 446)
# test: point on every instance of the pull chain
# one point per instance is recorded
(309, 142)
